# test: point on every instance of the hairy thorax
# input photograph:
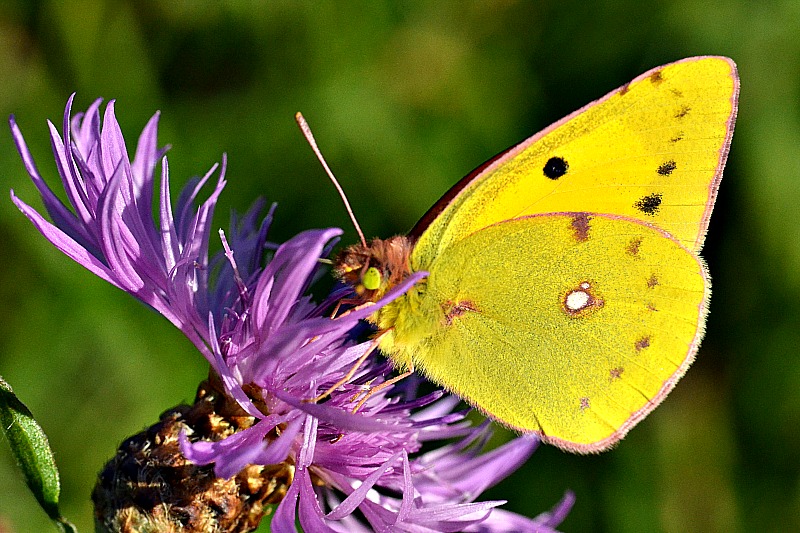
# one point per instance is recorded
(391, 258)
(403, 323)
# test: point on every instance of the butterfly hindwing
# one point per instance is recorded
(536, 329)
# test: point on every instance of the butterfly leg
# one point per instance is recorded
(346, 301)
(385, 384)
(350, 373)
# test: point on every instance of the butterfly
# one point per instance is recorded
(565, 295)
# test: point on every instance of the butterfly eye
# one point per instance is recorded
(371, 279)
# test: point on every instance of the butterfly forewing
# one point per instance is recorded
(652, 150)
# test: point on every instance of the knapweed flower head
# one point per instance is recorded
(272, 350)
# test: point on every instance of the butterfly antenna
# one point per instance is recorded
(301, 121)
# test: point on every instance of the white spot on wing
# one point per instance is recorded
(581, 300)
(577, 300)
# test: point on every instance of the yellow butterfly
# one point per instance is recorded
(565, 295)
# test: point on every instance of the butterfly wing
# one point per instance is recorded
(565, 295)
(652, 150)
(571, 325)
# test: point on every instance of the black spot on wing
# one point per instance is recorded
(683, 111)
(649, 204)
(666, 168)
(555, 167)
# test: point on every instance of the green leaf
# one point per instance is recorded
(32, 451)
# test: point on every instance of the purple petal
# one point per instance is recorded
(453, 517)
(232, 385)
(409, 493)
(292, 264)
(143, 167)
(340, 418)
(306, 455)
(355, 498)
(278, 450)
(62, 217)
(559, 512)
(310, 515)
(474, 476)
(112, 143)
(284, 521)
(65, 243)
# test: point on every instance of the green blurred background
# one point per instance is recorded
(405, 98)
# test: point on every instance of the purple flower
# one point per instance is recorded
(110, 229)
(249, 311)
